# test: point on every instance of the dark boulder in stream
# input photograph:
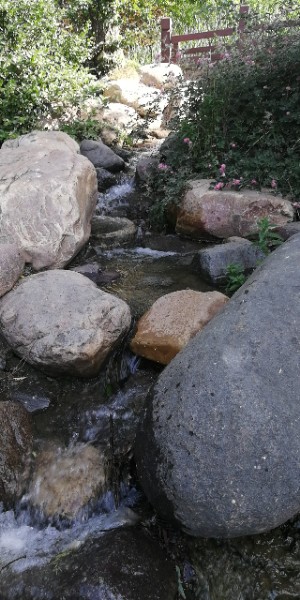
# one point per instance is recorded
(219, 448)
(123, 564)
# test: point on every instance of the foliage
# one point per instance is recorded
(98, 20)
(244, 113)
(41, 64)
(81, 129)
(235, 278)
(166, 186)
(266, 237)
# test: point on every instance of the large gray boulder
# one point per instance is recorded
(101, 156)
(48, 193)
(219, 449)
(61, 322)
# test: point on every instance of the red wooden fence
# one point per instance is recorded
(170, 42)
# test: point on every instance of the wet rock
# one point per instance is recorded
(65, 480)
(20, 382)
(11, 266)
(172, 321)
(96, 274)
(101, 156)
(123, 564)
(114, 422)
(15, 449)
(205, 212)
(212, 263)
(286, 231)
(61, 322)
(145, 168)
(48, 193)
(113, 231)
(231, 396)
(105, 179)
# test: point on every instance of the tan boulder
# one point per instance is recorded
(144, 99)
(161, 76)
(66, 479)
(48, 193)
(223, 214)
(47, 140)
(172, 321)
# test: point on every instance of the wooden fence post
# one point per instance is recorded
(166, 33)
(244, 10)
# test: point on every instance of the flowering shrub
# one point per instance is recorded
(42, 62)
(239, 124)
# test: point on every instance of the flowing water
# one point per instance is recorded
(104, 412)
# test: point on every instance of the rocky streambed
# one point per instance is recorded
(74, 520)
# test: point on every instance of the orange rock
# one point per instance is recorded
(172, 321)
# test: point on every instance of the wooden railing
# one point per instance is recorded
(170, 43)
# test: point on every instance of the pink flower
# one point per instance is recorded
(232, 145)
(253, 182)
(274, 184)
(187, 141)
(162, 167)
(236, 182)
(219, 186)
(222, 169)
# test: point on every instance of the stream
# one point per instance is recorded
(118, 548)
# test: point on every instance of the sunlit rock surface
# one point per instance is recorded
(219, 448)
(60, 321)
(48, 193)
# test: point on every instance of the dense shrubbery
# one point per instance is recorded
(239, 124)
(41, 64)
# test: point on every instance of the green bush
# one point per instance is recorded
(41, 64)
